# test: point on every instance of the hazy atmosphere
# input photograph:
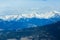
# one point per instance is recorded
(20, 6)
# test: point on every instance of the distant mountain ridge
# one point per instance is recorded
(28, 20)
(31, 15)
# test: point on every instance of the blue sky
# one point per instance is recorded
(43, 5)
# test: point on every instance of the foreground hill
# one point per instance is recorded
(47, 32)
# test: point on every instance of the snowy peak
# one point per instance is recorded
(47, 15)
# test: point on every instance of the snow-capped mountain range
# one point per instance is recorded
(47, 15)
(33, 19)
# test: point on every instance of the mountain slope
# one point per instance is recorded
(47, 32)
(28, 20)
